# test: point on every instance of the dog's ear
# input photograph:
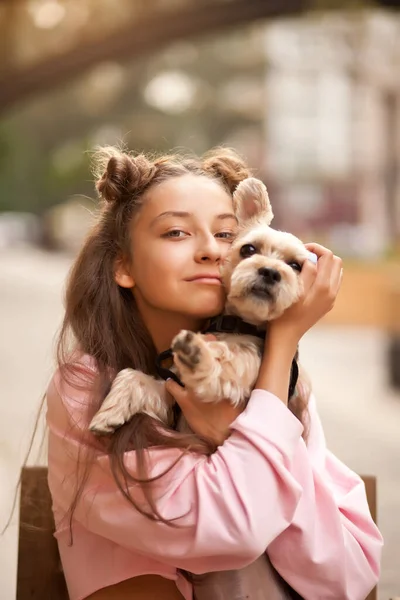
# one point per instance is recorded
(251, 201)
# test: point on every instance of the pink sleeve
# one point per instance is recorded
(332, 547)
(227, 508)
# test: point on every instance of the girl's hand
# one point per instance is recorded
(321, 284)
(209, 420)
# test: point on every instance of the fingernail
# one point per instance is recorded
(313, 257)
(169, 379)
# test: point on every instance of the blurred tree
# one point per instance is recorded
(47, 139)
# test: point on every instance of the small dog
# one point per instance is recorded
(261, 279)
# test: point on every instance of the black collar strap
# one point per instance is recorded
(232, 324)
(162, 371)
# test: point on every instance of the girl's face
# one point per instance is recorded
(179, 237)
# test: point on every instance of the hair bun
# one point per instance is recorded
(227, 165)
(121, 176)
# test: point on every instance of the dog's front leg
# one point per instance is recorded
(131, 392)
(215, 370)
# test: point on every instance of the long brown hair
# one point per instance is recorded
(102, 319)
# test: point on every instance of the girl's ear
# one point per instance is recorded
(122, 275)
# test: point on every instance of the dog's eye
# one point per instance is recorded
(247, 250)
(295, 266)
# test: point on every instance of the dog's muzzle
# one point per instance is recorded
(267, 279)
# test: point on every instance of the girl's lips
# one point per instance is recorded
(206, 277)
(207, 280)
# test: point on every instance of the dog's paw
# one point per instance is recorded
(106, 422)
(132, 392)
(187, 349)
(117, 407)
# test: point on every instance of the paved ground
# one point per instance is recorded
(360, 414)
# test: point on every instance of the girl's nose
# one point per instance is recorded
(208, 250)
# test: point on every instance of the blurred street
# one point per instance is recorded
(360, 414)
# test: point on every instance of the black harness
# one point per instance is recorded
(225, 324)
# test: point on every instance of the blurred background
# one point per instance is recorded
(309, 92)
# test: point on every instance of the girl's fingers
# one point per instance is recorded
(324, 265)
(329, 272)
(177, 392)
(308, 275)
(336, 275)
(324, 271)
(318, 249)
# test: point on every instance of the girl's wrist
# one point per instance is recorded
(274, 374)
(283, 336)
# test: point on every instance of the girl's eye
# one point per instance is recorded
(295, 266)
(225, 235)
(247, 250)
(174, 233)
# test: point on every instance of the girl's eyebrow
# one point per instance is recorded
(171, 213)
(183, 214)
(227, 216)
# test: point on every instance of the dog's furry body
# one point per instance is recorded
(260, 277)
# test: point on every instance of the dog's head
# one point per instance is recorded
(261, 272)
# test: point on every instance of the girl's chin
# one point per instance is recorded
(207, 311)
(204, 305)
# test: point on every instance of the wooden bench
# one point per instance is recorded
(40, 575)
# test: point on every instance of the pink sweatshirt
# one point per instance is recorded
(263, 489)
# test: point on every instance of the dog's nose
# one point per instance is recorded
(270, 276)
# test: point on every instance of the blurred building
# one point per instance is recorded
(332, 125)
(312, 102)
